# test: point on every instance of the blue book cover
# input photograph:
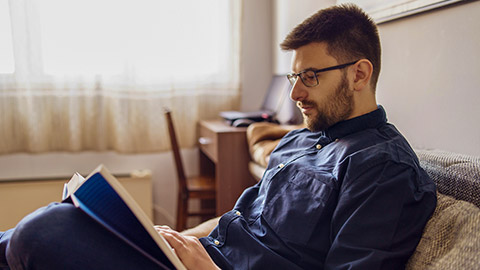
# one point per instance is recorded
(104, 199)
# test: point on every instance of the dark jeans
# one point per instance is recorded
(60, 236)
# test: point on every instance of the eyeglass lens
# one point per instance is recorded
(309, 78)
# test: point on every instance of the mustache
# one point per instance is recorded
(308, 103)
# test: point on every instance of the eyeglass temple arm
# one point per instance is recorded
(336, 67)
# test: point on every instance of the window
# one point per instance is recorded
(102, 71)
(155, 41)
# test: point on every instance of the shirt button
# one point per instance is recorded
(238, 213)
(318, 146)
(281, 165)
(216, 242)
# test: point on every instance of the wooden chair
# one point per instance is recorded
(200, 187)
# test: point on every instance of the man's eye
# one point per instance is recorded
(308, 76)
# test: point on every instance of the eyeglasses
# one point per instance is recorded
(309, 76)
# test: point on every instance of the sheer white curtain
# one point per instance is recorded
(79, 75)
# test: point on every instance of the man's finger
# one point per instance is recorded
(175, 242)
(169, 230)
(165, 227)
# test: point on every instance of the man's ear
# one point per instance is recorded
(363, 70)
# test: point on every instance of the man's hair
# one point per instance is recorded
(350, 34)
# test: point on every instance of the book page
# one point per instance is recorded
(73, 184)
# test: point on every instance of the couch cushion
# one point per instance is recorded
(263, 137)
(451, 239)
(456, 175)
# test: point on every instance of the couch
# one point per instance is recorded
(451, 238)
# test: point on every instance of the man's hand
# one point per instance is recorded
(188, 248)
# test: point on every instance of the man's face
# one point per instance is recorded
(331, 101)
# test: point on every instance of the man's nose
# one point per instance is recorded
(298, 92)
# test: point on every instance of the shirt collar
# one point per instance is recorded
(372, 119)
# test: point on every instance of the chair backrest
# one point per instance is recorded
(176, 152)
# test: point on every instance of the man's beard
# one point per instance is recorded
(337, 107)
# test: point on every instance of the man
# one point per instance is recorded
(345, 193)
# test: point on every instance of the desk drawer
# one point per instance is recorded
(208, 143)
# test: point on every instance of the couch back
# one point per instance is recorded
(456, 175)
(451, 238)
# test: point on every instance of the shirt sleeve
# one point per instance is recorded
(379, 217)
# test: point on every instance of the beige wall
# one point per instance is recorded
(256, 56)
(430, 77)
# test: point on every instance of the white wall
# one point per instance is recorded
(430, 79)
(256, 59)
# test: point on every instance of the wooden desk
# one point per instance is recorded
(224, 153)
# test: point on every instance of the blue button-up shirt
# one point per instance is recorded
(351, 197)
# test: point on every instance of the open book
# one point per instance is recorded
(104, 199)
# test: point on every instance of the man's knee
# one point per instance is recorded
(41, 235)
